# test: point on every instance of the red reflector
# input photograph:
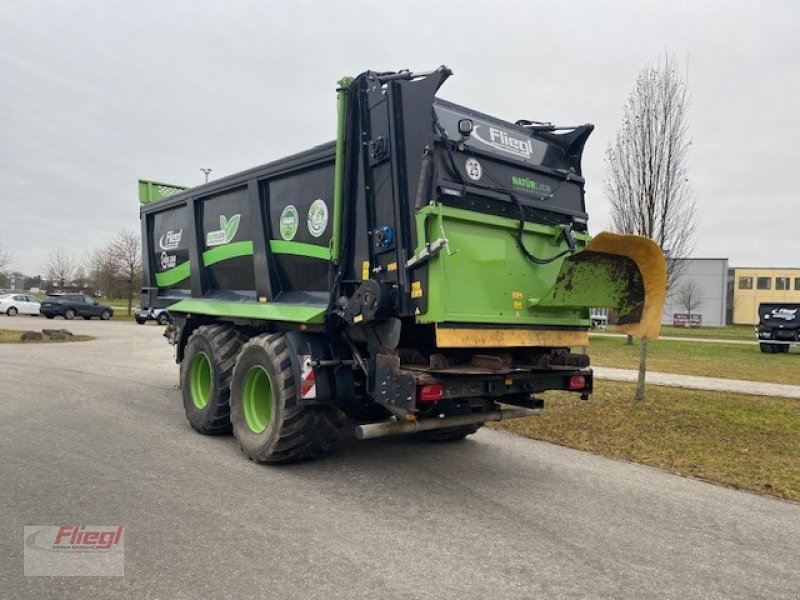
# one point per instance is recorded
(430, 393)
(576, 382)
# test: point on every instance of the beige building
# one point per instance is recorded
(752, 286)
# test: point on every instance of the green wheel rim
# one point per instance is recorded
(257, 399)
(200, 380)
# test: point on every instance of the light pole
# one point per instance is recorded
(206, 171)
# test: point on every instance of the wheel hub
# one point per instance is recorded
(257, 399)
(200, 380)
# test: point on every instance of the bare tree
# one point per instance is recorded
(5, 258)
(100, 268)
(59, 266)
(79, 278)
(690, 296)
(126, 249)
(646, 181)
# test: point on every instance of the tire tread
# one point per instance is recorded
(304, 431)
(226, 342)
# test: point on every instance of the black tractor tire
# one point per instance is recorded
(105, 315)
(87, 318)
(162, 319)
(12, 311)
(69, 314)
(49, 316)
(207, 407)
(139, 320)
(451, 434)
(269, 421)
(769, 348)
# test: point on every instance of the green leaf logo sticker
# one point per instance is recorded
(288, 222)
(231, 227)
(226, 232)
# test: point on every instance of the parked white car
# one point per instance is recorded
(13, 304)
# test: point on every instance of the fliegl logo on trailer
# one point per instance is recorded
(504, 141)
(170, 240)
(226, 232)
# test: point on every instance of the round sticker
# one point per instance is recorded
(474, 169)
(288, 222)
(317, 217)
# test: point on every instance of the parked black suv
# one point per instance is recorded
(778, 327)
(71, 305)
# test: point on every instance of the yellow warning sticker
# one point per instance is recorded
(365, 270)
(416, 289)
(391, 266)
(516, 295)
(518, 305)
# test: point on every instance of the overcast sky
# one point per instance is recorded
(95, 95)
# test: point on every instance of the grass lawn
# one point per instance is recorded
(120, 314)
(747, 442)
(12, 336)
(120, 306)
(729, 361)
(729, 332)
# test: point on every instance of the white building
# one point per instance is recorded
(708, 280)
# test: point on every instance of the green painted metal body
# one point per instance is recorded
(270, 311)
(341, 109)
(218, 254)
(153, 191)
(222, 253)
(481, 276)
(174, 275)
(300, 249)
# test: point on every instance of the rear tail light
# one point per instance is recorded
(430, 392)
(576, 382)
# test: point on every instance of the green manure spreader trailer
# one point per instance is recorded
(427, 272)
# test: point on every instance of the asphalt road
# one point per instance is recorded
(94, 433)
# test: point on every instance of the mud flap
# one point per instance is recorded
(624, 272)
